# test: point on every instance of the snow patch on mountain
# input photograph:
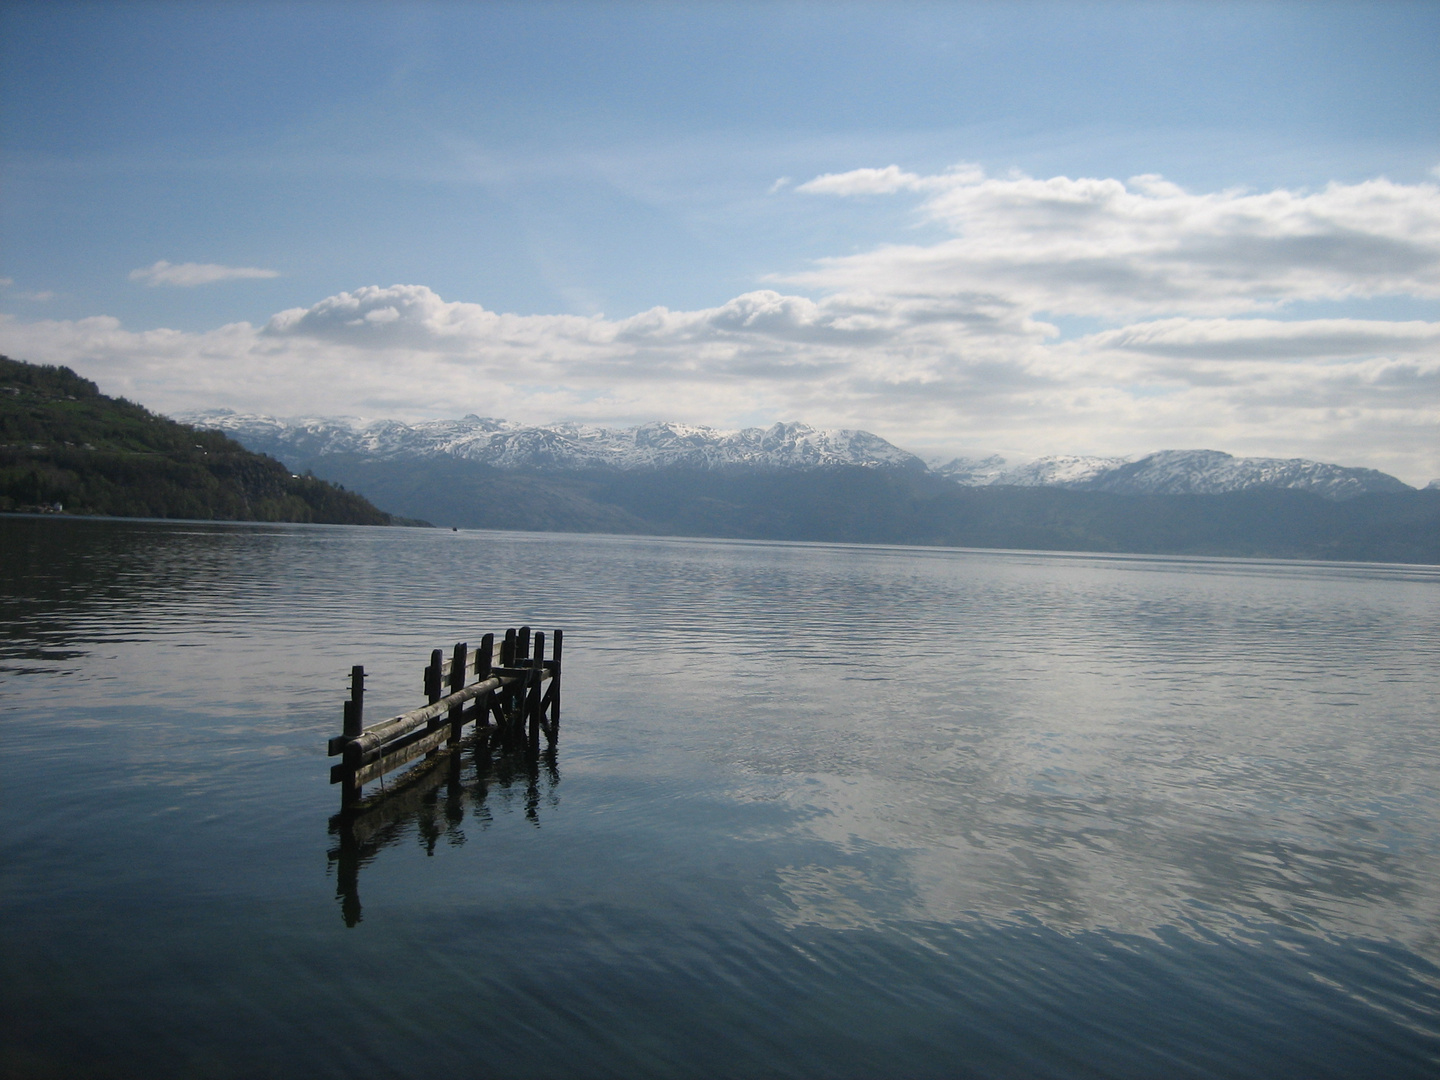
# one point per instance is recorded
(970, 472)
(1059, 470)
(507, 445)
(1206, 472)
(1175, 472)
(504, 444)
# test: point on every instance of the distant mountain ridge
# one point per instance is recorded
(507, 445)
(503, 444)
(1176, 472)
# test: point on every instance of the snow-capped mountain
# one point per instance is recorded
(1176, 472)
(507, 445)
(1059, 470)
(971, 472)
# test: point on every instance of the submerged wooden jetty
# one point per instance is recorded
(509, 690)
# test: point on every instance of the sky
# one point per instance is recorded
(1018, 228)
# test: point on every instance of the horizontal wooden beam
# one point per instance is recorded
(393, 756)
(447, 666)
(372, 738)
(371, 742)
(407, 753)
(525, 671)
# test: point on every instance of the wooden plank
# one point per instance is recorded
(494, 657)
(374, 742)
(405, 723)
(522, 673)
(407, 753)
(418, 736)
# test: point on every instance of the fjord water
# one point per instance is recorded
(814, 811)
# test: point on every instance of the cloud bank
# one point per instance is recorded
(946, 346)
(1107, 249)
(188, 275)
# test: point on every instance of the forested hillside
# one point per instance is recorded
(66, 447)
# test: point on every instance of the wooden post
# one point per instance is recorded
(555, 688)
(457, 683)
(504, 696)
(522, 689)
(515, 700)
(349, 789)
(484, 656)
(433, 690)
(355, 707)
(354, 725)
(537, 688)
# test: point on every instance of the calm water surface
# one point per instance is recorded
(815, 811)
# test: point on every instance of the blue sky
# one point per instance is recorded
(209, 204)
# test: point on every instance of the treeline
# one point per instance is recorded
(66, 447)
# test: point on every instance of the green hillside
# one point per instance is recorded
(64, 444)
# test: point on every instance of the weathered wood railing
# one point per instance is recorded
(508, 701)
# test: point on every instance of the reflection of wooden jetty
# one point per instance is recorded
(431, 805)
(510, 691)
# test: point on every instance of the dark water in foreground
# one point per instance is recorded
(815, 811)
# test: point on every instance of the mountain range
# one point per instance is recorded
(502, 444)
(794, 482)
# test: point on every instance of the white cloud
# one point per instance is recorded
(1264, 339)
(922, 372)
(889, 180)
(884, 181)
(1110, 249)
(187, 275)
(934, 347)
(6, 282)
